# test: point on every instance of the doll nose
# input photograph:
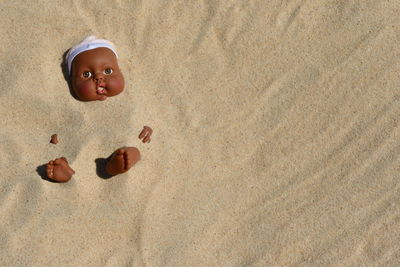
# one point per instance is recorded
(98, 77)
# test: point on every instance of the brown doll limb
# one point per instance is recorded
(122, 160)
(54, 139)
(59, 170)
(145, 134)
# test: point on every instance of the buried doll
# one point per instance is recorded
(95, 75)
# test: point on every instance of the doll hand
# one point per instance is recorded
(145, 134)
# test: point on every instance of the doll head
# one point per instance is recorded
(94, 70)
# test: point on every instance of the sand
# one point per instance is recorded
(276, 135)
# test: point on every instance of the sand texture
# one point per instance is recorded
(276, 134)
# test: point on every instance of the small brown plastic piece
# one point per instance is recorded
(54, 139)
(145, 134)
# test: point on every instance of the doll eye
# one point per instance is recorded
(86, 74)
(108, 71)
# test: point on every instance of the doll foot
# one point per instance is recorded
(58, 170)
(122, 160)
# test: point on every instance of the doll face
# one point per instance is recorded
(96, 75)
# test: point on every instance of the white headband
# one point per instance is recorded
(88, 43)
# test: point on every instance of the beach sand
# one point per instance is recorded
(276, 135)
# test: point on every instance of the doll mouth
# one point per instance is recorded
(101, 90)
